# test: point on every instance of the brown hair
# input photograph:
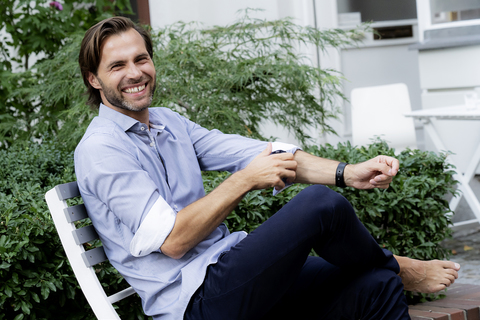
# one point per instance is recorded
(90, 50)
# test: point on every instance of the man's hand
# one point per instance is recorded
(269, 170)
(374, 173)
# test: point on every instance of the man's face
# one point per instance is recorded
(126, 74)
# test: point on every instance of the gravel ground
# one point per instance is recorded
(466, 247)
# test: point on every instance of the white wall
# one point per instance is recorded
(208, 12)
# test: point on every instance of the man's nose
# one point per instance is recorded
(133, 71)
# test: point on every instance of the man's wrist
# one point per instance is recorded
(242, 182)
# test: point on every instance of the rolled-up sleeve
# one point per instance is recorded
(149, 237)
(114, 175)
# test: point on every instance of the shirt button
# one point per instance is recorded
(151, 144)
(175, 207)
(142, 128)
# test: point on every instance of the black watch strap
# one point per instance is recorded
(339, 181)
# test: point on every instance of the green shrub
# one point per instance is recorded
(229, 78)
(36, 281)
(31, 28)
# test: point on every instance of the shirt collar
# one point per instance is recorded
(125, 122)
(156, 122)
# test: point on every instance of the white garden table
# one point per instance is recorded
(460, 112)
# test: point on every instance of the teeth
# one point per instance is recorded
(135, 89)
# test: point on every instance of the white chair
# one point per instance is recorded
(82, 261)
(379, 111)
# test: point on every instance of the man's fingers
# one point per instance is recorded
(381, 181)
(290, 174)
(390, 165)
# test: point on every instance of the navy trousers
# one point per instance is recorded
(270, 275)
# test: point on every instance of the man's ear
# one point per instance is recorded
(94, 81)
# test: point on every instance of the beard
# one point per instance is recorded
(115, 98)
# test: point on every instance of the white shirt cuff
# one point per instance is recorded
(287, 147)
(290, 148)
(154, 229)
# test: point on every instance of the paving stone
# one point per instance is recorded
(419, 314)
(455, 314)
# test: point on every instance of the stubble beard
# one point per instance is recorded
(114, 97)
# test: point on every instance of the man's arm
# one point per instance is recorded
(199, 219)
(196, 221)
(374, 173)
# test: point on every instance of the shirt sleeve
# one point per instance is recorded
(229, 152)
(113, 177)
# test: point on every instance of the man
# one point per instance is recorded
(139, 173)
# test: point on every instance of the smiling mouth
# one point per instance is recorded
(135, 89)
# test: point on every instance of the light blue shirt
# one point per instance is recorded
(134, 181)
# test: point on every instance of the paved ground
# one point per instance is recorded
(466, 241)
(466, 247)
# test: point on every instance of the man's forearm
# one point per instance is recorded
(196, 221)
(314, 170)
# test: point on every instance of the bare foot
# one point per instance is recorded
(427, 276)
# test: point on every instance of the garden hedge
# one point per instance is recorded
(36, 282)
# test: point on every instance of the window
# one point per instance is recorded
(447, 11)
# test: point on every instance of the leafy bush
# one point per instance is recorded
(228, 78)
(231, 78)
(410, 218)
(36, 281)
(38, 29)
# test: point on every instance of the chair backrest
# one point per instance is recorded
(379, 111)
(82, 261)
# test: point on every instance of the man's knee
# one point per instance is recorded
(318, 199)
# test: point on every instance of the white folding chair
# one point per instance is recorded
(379, 111)
(82, 261)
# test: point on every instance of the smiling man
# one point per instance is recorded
(139, 173)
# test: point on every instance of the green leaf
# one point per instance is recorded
(5, 265)
(35, 297)
(25, 307)
(45, 291)
(8, 291)
(51, 286)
